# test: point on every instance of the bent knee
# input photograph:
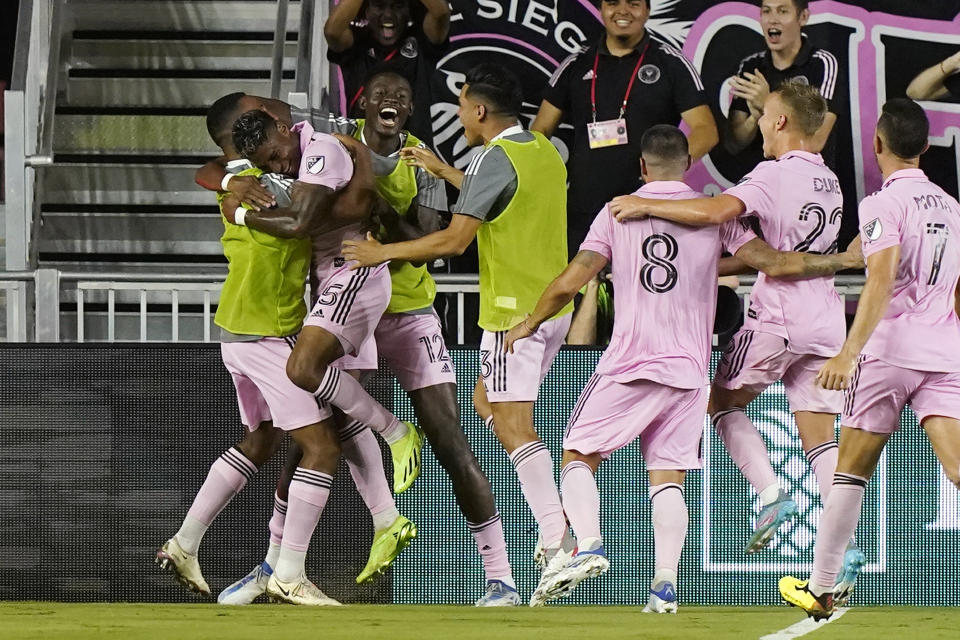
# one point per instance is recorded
(304, 373)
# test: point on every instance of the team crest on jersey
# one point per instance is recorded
(315, 164)
(800, 79)
(409, 48)
(338, 262)
(649, 73)
(873, 229)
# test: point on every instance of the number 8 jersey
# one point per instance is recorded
(665, 278)
(920, 329)
(798, 203)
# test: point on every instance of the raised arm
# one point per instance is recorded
(697, 212)
(582, 269)
(337, 28)
(452, 241)
(928, 85)
(429, 162)
(881, 274)
(436, 24)
(759, 255)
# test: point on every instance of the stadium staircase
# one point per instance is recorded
(136, 77)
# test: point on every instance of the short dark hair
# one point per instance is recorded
(904, 127)
(251, 130)
(600, 2)
(220, 116)
(801, 5)
(808, 106)
(498, 88)
(385, 69)
(664, 142)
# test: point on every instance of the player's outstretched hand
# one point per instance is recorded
(229, 206)
(628, 208)
(425, 159)
(249, 190)
(835, 374)
(363, 253)
(519, 332)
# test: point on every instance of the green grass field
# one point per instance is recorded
(46, 620)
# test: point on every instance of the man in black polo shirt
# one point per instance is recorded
(612, 92)
(390, 35)
(788, 56)
(941, 81)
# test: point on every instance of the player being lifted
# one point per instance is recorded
(792, 326)
(512, 199)
(904, 344)
(651, 382)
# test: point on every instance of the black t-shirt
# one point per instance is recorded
(820, 69)
(952, 83)
(414, 57)
(667, 84)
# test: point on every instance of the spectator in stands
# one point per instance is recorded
(789, 55)
(940, 81)
(390, 32)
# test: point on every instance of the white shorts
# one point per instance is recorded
(516, 377)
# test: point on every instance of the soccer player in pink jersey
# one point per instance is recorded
(651, 382)
(904, 344)
(792, 325)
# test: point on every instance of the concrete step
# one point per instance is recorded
(122, 184)
(107, 133)
(198, 92)
(134, 52)
(179, 15)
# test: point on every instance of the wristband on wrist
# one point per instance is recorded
(225, 182)
(239, 217)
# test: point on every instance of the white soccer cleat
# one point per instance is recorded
(557, 559)
(499, 594)
(663, 598)
(249, 588)
(586, 564)
(184, 566)
(301, 592)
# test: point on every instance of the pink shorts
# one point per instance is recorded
(365, 360)
(880, 390)
(755, 360)
(412, 344)
(516, 377)
(264, 392)
(610, 415)
(350, 305)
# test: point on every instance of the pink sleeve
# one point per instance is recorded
(757, 191)
(325, 162)
(880, 220)
(735, 233)
(600, 237)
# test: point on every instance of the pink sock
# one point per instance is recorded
(837, 524)
(227, 476)
(276, 520)
(581, 499)
(308, 495)
(535, 472)
(669, 525)
(360, 449)
(746, 447)
(823, 460)
(493, 548)
(348, 395)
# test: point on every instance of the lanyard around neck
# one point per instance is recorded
(626, 96)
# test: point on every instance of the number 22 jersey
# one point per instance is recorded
(798, 203)
(665, 276)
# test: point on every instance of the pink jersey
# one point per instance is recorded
(798, 202)
(324, 161)
(665, 276)
(920, 329)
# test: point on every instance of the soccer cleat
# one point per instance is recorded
(248, 588)
(301, 592)
(797, 593)
(853, 563)
(557, 560)
(387, 545)
(184, 566)
(406, 458)
(568, 543)
(771, 518)
(499, 594)
(663, 598)
(586, 564)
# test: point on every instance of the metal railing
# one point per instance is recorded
(159, 300)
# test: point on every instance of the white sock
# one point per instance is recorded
(770, 494)
(190, 534)
(661, 575)
(395, 433)
(290, 564)
(385, 518)
(507, 580)
(273, 554)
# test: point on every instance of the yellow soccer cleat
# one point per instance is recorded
(387, 545)
(796, 593)
(406, 458)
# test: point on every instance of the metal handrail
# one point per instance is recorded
(279, 39)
